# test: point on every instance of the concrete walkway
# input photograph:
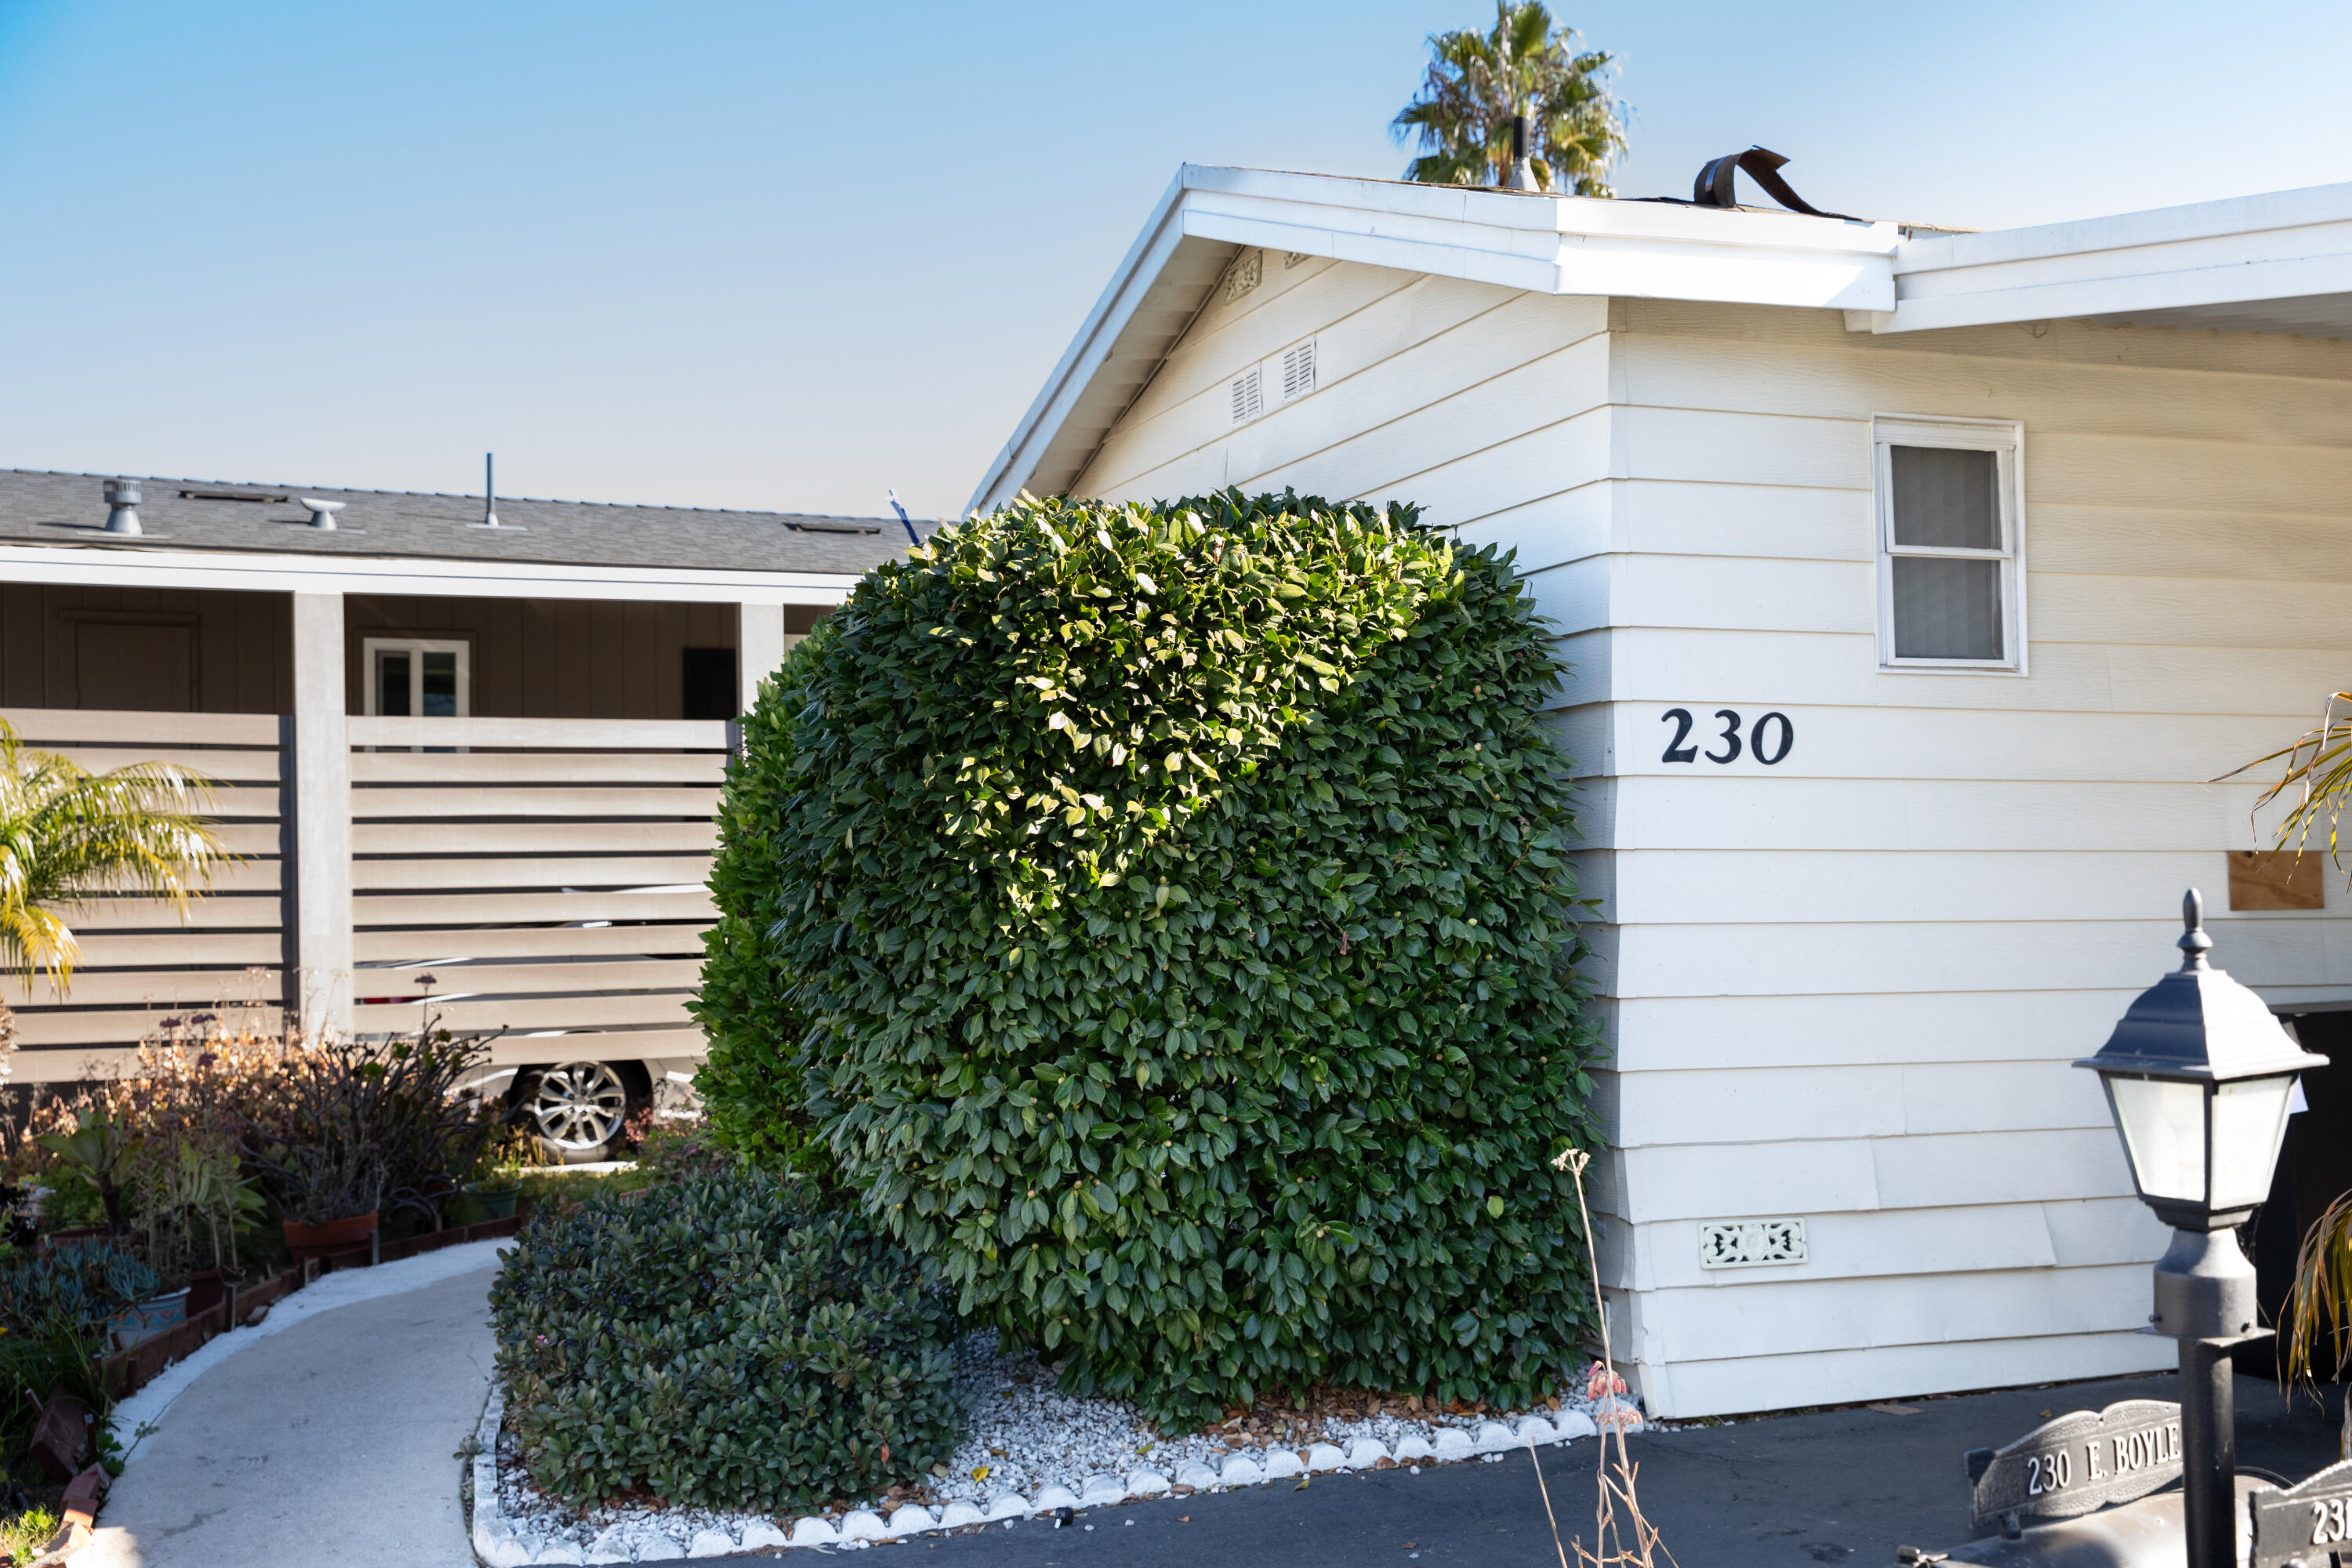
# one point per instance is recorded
(332, 1442)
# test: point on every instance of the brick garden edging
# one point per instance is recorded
(126, 1371)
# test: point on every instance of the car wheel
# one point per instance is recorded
(577, 1111)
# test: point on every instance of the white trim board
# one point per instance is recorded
(425, 577)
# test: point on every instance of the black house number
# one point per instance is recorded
(1767, 741)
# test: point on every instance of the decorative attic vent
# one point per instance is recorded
(1291, 259)
(1750, 1243)
(1249, 395)
(1298, 369)
(1243, 275)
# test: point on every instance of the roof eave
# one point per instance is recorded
(1550, 245)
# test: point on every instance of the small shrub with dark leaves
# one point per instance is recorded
(719, 1343)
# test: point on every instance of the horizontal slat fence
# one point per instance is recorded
(141, 963)
(546, 874)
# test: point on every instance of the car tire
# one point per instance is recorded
(579, 1111)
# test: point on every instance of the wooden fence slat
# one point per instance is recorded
(636, 836)
(480, 980)
(591, 1045)
(152, 951)
(160, 987)
(429, 801)
(566, 734)
(539, 1012)
(242, 767)
(49, 728)
(443, 910)
(377, 769)
(531, 872)
(430, 947)
(68, 1063)
(217, 911)
(95, 1026)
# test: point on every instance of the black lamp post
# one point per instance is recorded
(2198, 1076)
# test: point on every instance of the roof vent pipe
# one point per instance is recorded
(1522, 169)
(322, 512)
(490, 492)
(122, 507)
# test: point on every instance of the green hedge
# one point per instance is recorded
(719, 1343)
(1175, 900)
(750, 1084)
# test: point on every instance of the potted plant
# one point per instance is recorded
(495, 1185)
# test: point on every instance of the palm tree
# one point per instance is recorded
(68, 836)
(1479, 81)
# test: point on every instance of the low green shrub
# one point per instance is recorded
(719, 1343)
(1171, 914)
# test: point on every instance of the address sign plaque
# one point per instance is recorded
(2307, 1525)
(2079, 1462)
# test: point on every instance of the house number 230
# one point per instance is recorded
(1768, 741)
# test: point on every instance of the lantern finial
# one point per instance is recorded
(2194, 943)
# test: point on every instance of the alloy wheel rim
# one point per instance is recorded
(580, 1105)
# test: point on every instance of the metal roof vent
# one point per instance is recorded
(322, 512)
(490, 500)
(122, 507)
(1523, 167)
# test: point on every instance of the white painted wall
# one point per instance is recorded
(1846, 986)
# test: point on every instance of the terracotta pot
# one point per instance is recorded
(309, 1241)
(205, 1290)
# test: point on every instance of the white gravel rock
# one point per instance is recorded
(1197, 1476)
(1053, 1498)
(958, 1514)
(1281, 1464)
(763, 1532)
(1241, 1471)
(1325, 1456)
(1146, 1483)
(860, 1524)
(710, 1543)
(912, 1521)
(1366, 1452)
(814, 1532)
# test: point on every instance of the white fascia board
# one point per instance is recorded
(280, 574)
(1551, 245)
(1548, 245)
(2284, 244)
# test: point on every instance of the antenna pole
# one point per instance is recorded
(489, 489)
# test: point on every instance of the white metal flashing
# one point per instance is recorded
(155, 567)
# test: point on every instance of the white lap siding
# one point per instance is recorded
(1844, 986)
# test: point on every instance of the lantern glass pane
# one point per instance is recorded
(2163, 1123)
(2249, 1121)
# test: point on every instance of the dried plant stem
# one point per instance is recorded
(1550, 1517)
(1610, 1548)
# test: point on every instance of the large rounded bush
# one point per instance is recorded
(1173, 898)
(718, 1343)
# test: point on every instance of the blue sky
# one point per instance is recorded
(784, 255)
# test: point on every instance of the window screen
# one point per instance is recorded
(1948, 590)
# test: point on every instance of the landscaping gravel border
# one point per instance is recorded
(1027, 1450)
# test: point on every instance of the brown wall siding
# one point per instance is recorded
(542, 658)
(160, 649)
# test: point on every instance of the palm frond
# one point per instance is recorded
(1477, 81)
(68, 836)
(2318, 773)
(2318, 1305)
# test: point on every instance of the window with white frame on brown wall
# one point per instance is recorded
(1950, 526)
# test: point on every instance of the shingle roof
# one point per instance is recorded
(45, 507)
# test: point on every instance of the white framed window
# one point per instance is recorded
(419, 678)
(1952, 543)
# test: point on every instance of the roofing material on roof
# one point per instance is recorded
(69, 509)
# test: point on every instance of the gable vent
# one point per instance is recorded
(1249, 395)
(1298, 369)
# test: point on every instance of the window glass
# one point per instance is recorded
(392, 685)
(1946, 498)
(440, 684)
(1947, 607)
